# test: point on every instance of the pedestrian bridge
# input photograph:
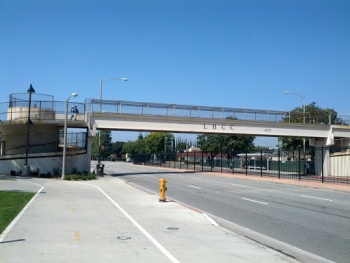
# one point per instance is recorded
(139, 116)
(42, 139)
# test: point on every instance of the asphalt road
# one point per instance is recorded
(314, 220)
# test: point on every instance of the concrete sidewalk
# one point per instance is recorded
(107, 220)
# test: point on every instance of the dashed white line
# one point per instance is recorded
(193, 186)
(239, 185)
(318, 198)
(254, 201)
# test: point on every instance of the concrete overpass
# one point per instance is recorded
(136, 116)
(48, 119)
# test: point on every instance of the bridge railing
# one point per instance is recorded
(185, 111)
(192, 111)
(49, 109)
(17, 110)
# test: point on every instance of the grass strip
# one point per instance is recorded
(11, 203)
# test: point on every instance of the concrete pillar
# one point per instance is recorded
(88, 154)
(321, 156)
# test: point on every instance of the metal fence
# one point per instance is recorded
(43, 107)
(76, 141)
(292, 164)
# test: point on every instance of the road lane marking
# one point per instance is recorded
(29, 183)
(148, 235)
(193, 186)
(240, 185)
(319, 198)
(254, 201)
(210, 219)
(77, 236)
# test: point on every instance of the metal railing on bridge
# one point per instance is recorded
(192, 111)
(48, 109)
(43, 107)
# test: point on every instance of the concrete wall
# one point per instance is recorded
(339, 164)
(21, 114)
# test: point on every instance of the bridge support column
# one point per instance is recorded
(321, 156)
(88, 153)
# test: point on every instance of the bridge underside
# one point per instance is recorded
(104, 121)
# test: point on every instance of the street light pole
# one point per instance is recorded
(29, 122)
(103, 81)
(99, 133)
(303, 98)
(65, 136)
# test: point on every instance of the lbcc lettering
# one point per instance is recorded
(217, 127)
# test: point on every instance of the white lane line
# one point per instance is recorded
(255, 201)
(193, 186)
(240, 185)
(14, 221)
(210, 219)
(319, 198)
(29, 183)
(148, 235)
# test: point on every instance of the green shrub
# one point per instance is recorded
(56, 171)
(80, 177)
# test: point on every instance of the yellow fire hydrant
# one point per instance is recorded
(162, 190)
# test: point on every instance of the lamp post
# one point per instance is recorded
(29, 122)
(303, 98)
(99, 133)
(65, 136)
(103, 81)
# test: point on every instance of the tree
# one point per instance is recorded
(138, 146)
(157, 142)
(104, 139)
(224, 143)
(183, 144)
(313, 115)
(117, 148)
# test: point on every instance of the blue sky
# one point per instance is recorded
(229, 53)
